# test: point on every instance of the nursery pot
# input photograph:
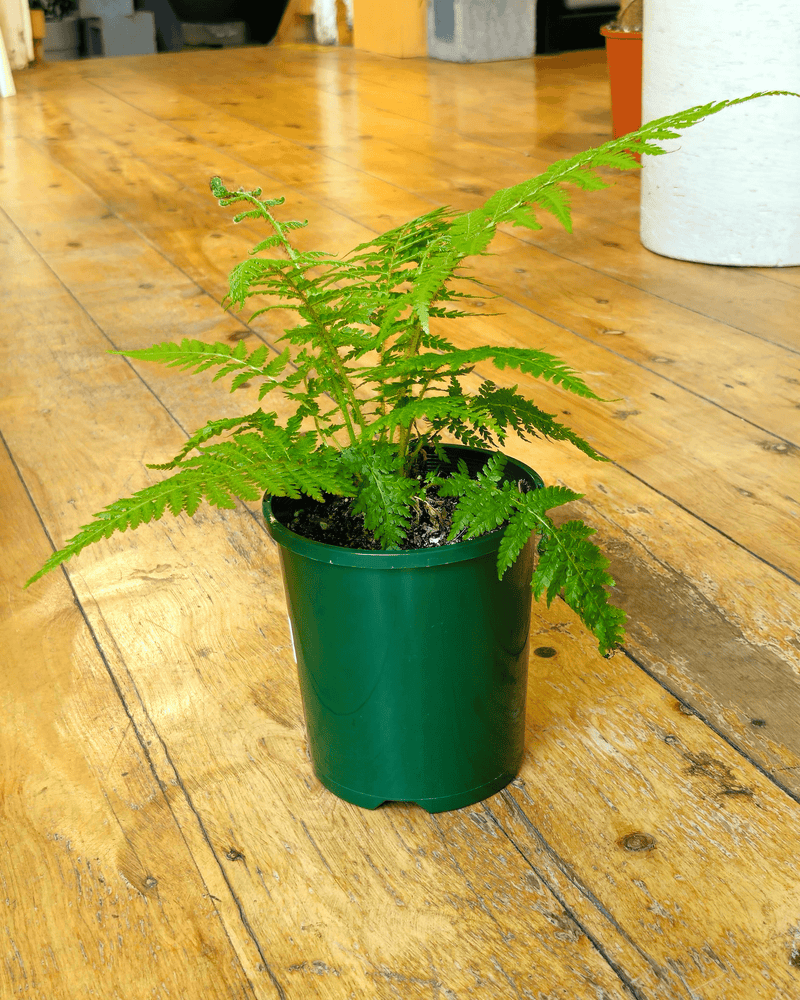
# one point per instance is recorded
(624, 56)
(412, 663)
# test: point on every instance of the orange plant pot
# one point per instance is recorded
(624, 55)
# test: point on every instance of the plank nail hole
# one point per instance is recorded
(545, 651)
(638, 842)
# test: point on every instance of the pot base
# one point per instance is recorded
(442, 803)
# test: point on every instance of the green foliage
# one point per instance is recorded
(385, 494)
(248, 465)
(197, 355)
(379, 300)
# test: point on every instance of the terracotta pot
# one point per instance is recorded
(624, 55)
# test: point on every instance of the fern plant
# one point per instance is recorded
(374, 389)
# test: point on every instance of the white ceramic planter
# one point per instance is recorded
(731, 196)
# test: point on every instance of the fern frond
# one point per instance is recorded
(529, 361)
(268, 461)
(472, 232)
(531, 515)
(556, 201)
(406, 411)
(384, 494)
(226, 197)
(214, 428)
(199, 356)
(568, 561)
(483, 503)
(181, 492)
(267, 244)
(523, 216)
(509, 409)
(245, 467)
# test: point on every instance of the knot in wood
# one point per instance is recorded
(638, 842)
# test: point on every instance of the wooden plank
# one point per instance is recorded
(708, 912)
(220, 697)
(677, 458)
(179, 687)
(705, 701)
(746, 300)
(718, 627)
(693, 350)
(630, 789)
(103, 894)
(631, 323)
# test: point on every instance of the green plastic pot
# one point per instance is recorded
(413, 664)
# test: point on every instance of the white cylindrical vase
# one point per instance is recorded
(731, 192)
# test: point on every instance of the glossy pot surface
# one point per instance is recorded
(412, 663)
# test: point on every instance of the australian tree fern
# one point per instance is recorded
(358, 425)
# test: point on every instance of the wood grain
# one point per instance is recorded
(152, 611)
(102, 894)
(153, 743)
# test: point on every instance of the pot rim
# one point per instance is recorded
(438, 555)
(614, 33)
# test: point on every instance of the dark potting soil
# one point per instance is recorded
(334, 523)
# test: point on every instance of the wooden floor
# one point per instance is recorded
(163, 837)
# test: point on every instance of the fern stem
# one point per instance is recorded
(341, 378)
(405, 432)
